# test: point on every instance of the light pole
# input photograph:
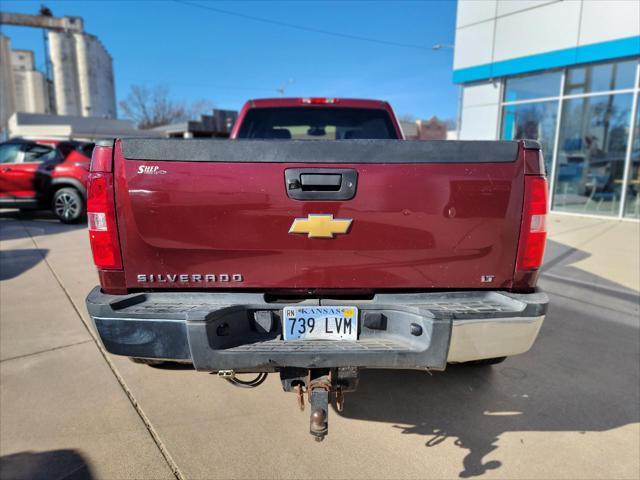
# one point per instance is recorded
(440, 46)
(283, 86)
(443, 46)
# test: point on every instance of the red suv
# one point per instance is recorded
(43, 174)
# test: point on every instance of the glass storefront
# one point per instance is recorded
(591, 154)
(532, 120)
(533, 86)
(600, 77)
(632, 203)
(586, 162)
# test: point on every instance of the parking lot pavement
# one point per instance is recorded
(62, 411)
(594, 252)
(570, 408)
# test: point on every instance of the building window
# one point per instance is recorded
(601, 77)
(536, 121)
(532, 86)
(632, 204)
(526, 115)
(588, 157)
(591, 154)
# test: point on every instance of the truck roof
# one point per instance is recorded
(312, 101)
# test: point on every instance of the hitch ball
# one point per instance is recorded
(319, 425)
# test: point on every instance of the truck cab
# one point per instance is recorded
(316, 119)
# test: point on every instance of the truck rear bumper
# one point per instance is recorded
(242, 332)
(491, 338)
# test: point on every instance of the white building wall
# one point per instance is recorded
(493, 31)
(99, 79)
(65, 73)
(29, 85)
(506, 7)
(473, 11)
(83, 75)
(21, 90)
(84, 90)
(22, 60)
(37, 100)
(480, 111)
(68, 127)
(549, 27)
(598, 25)
(7, 92)
(474, 45)
(95, 77)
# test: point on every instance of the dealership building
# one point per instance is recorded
(566, 73)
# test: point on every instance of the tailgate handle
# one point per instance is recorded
(320, 183)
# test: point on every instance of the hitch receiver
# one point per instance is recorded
(319, 422)
(321, 385)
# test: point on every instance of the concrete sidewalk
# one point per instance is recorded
(63, 412)
(597, 252)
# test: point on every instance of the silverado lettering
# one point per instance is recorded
(187, 278)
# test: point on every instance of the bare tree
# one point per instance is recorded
(450, 123)
(407, 117)
(198, 107)
(153, 107)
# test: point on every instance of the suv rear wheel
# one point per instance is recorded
(68, 205)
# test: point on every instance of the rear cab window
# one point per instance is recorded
(317, 123)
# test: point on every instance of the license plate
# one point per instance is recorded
(320, 323)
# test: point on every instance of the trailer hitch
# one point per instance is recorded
(321, 386)
(319, 389)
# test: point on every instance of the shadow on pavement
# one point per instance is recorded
(37, 222)
(582, 375)
(67, 464)
(564, 385)
(14, 263)
(559, 260)
(173, 366)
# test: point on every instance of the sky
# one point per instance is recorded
(223, 51)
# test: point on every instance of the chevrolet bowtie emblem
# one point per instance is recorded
(320, 226)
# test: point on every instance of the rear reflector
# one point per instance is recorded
(101, 216)
(533, 231)
(97, 221)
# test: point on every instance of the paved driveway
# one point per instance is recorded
(570, 408)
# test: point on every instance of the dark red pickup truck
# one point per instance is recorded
(314, 259)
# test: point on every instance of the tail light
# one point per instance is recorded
(101, 214)
(533, 231)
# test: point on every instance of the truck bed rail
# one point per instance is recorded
(305, 151)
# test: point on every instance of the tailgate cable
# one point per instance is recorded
(235, 381)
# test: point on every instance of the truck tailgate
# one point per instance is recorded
(218, 214)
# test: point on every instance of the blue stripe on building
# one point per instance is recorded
(623, 47)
